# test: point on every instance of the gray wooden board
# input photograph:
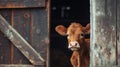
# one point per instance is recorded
(4, 42)
(103, 29)
(20, 43)
(21, 3)
(20, 65)
(21, 22)
(118, 31)
(39, 31)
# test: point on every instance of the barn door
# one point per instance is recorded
(105, 37)
(23, 33)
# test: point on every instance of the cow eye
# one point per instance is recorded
(81, 34)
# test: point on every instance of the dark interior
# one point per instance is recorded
(64, 12)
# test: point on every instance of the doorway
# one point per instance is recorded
(64, 12)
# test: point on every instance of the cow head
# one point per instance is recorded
(75, 34)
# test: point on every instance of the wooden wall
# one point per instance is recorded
(29, 19)
(105, 43)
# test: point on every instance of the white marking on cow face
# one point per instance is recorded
(74, 32)
(74, 45)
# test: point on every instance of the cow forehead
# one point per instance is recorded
(74, 28)
(75, 25)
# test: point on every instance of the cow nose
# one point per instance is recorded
(74, 44)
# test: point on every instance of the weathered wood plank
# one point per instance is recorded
(21, 3)
(109, 66)
(4, 49)
(4, 42)
(48, 20)
(103, 37)
(39, 31)
(118, 31)
(15, 65)
(20, 43)
(20, 65)
(21, 22)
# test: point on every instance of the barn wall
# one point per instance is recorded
(118, 31)
(32, 27)
(30, 19)
(21, 3)
(103, 33)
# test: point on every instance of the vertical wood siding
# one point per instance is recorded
(4, 42)
(103, 37)
(118, 31)
(22, 25)
(32, 24)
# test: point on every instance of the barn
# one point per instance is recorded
(23, 33)
(28, 37)
(105, 44)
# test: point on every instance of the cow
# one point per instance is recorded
(77, 42)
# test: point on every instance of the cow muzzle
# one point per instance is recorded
(74, 45)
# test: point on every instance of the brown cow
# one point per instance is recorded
(77, 43)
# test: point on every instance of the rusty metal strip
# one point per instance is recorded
(26, 49)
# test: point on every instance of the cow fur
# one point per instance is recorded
(80, 56)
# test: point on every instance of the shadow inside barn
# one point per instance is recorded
(64, 12)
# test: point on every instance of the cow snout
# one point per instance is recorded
(74, 45)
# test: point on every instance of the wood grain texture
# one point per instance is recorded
(30, 23)
(21, 22)
(20, 43)
(103, 37)
(39, 31)
(15, 65)
(4, 42)
(118, 31)
(20, 65)
(110, 66)
(21, 3)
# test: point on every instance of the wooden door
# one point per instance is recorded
(105, 42)
(23, 33)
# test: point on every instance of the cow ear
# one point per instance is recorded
(87, 28)
(62, 30)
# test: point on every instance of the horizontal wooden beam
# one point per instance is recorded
(20, 65)
(21, 3)
(109, 66)
(25, 48)
(15, 65)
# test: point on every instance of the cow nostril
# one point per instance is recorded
(75, 44)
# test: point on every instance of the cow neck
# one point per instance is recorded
(83, 47)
